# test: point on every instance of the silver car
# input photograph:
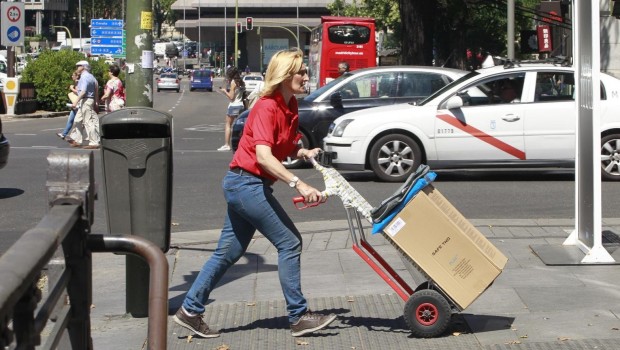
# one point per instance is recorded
(168, 81)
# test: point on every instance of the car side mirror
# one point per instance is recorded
(454, 102)
(336, 100)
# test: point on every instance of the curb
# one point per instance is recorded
(37, 114)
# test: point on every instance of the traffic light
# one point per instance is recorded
(239, 28)
(248, 23)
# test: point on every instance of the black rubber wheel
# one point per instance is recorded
(157, 90)
(177, 91)
(394, 157)
(610, 157)
(427, 313)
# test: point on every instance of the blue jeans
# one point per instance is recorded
(251, 207)
(69, 123)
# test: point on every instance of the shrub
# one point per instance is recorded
(51, 75)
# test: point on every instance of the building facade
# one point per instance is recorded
(277, 24)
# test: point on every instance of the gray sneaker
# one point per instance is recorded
(311, 322)
(194, 324)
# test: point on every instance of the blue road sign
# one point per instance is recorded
(103, 50)
(106, 41)
(107, 23)
(106, 32)
(13, 34)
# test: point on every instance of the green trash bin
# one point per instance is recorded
(136, 146)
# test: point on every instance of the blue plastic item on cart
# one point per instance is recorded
(415, 188)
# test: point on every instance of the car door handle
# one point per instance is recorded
(511, 118)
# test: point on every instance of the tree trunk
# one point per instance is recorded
(417, 43)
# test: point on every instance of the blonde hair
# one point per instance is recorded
(282, 66)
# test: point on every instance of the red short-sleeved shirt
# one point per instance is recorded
(272, 123)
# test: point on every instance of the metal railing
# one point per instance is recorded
(61, 245)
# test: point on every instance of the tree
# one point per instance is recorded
(52, 93)
(417, 18)
(440, 32)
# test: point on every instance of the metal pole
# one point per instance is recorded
(80, 21)
(184, 50)
(225, 62)
(139, 29)
(199, 41)
(139, 79)
(298, 21)
(236, 53)
(511, 30)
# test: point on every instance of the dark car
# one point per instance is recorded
(202, 79)
(4, 148)
(356, 90)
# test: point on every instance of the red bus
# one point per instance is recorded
(338, 39)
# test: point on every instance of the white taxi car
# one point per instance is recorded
(519, 115)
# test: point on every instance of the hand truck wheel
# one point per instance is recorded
(427, 313)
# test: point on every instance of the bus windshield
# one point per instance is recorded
(349, 34)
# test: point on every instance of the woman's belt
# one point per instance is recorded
(244, 172)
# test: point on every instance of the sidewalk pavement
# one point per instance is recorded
(530, 305)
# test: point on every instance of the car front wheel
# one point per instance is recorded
(610, 157)
(394, 157)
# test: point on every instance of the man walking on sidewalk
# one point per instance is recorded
(86, 123)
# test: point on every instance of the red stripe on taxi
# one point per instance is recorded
(499, 144)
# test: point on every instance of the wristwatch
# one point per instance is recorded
(293, 182)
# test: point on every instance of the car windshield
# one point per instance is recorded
(253, 78)
(318, 92)
(446, 87)
(171, 76)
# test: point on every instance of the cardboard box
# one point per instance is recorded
(446, 247)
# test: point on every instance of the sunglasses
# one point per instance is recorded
(302, 71)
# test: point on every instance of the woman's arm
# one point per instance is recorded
(107, 92)
(230, 94)
(274, 167)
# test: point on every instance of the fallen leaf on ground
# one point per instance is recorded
(189, 339)
(223, 347)
(175, 224)
(563, 338)
(251, 304)
(513, 342)
(523, 336)
(302, 342)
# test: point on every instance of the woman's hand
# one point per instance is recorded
(308, 153)
(309, 193)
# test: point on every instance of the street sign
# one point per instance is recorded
(106, 41)
(106, 23)
(12, 23)
(106, 32)
(107, 37)
(106, 50)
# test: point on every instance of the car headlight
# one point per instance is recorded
(338, 129)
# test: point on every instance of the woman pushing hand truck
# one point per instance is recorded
(270, 135)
